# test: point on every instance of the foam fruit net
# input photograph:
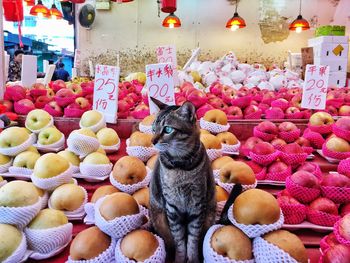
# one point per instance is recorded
(213, 127)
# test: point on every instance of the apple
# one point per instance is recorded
(331, 240)
(263, 107)
(54, 109)
(64, 93)
(15, 93)
(277, 167)
(197, 97)
(278, 142)
(303, 142)
(37, 119)
(202, 110)
(267, 127)
(332, 110)
(296, 101)
(263, 148)
(281, 102)
(50, 93)
(58, 85)
(82, 102)
(49, 136)
(123, 106)
(305, 179)
(287, 200)
(141, 111)
(343, 123)
(325, 205)
(179, 99)
(344, 110)
(274, 113)
(216, 88)
(75, 88)
(251, 142)
(250, 110)
(24, 106)
(8, 104)
(308, 167)
(339, 253)
(228, 94)
(38, 89)
(26, 159)
(217, 103)
(41, 101)
(336, 180)
(344, 209)
(321, 118)
(287, 126)
(293, 148)
(337, 144)
(234, 113)
(292, 110)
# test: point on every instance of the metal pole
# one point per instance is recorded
(2, 54)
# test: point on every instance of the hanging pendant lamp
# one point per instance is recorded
(172, 21)
(28, 2)
(40, 10)
(236, 21)
(299, 24)
(55, 13)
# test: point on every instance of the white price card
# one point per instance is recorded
(106, 91)
(167, 54)
(29, 70)
(160, 84)
(315, 87)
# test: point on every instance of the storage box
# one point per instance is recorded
(328, 39)
(334, 64)
(331, 51)
(337, 79)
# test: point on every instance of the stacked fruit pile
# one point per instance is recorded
(335, 247)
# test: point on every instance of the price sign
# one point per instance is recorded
(315, 87)
(160, 84)
(106, 91)
(29, 70)
(167, 54)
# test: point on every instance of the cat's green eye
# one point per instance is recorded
(168, 130)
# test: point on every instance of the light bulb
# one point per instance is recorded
(234, 27)
(171, 25)
(53, 17)
(299, 29)
(40, 15)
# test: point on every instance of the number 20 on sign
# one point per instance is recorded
(315, 87)
(160, 84)
(106, 91)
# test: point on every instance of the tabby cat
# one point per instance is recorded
(182, 188)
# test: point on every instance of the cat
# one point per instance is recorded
(182, 188)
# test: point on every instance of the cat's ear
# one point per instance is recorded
(187, 111)
(159, 104)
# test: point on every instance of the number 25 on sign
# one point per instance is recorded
(160, 84)
(106, 91)
(315, 87)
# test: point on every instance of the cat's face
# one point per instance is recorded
(175, 130)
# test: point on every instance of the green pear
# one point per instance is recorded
(90, 118)
(107, 137)
(18, 193)
(37, 119)
(70, 156)
(48, 218)
(12, 137)
(96, 158)
(50, 165)
(4, 159)
(10, 239)
(26, 159)
(49, 136)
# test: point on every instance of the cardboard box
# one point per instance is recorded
(335, 65)
(328, 39)
(331, 51)
(337, 79)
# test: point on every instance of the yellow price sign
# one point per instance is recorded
(337, 50)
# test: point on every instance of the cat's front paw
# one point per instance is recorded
(180, 258)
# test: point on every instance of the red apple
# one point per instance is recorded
(123, 106)
(337, 254)
(57, 85)
(15, 93)
(255, 167)
(251, 142)
(82, 102)
(293, 148)
(267, 127)
(64, 93)
(217, 103)
(41, 101)
(325, 205)
(344, 209)
(287, 200)
(332, 110)
(8, 104)
(75, 88)
(308, 167)
(263, 107)
(202, 110)
(228, 94)
(278, 142)
(287, 126)
(216, 88)
(277, 167)
(305, 179)
(296, 101)
(331, 240)
(303, 142)
(343, 123)
(250, 110)
(336, 180)
(284, 193)
(26, 102)
(292, 110)
(55, 106)
(234, 112)
(263, 148)
(141, 111)
(197, 97)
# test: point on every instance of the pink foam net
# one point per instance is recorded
(293, 213)
(290, 136)
(338, 195)
(293, 158)
(341, 133)
(264, 159)
(322, 129)
(280, 177)
(301, 193)
(321, 218)
(334, 155)
(264, 136)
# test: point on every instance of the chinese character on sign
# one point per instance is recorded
(106, 91)
(315, 87)
(168, 70)
(160, 51)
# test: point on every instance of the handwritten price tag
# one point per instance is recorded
(315, 87)
(160, 84)
(167, 54)
(106, 91)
